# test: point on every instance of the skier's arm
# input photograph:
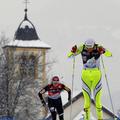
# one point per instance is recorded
(104, 51)
(75, 50)
(68, 90)
(108, 53)
(42, 91)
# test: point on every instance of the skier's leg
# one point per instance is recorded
(52, 108)
(97, 86)
(86, 89)
(99, 105)
(86, 105)
(59, 108)
(53, 113)
(61, 116)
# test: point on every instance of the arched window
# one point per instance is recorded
(31, 66)
(28, 65)
(23, 66)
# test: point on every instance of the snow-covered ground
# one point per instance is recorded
(64, 96)
(80, 116)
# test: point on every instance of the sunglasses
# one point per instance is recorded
(55, 82)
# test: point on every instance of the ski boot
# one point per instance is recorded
(87, 114)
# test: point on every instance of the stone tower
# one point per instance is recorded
(26, 54)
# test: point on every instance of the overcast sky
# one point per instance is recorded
(64, 23)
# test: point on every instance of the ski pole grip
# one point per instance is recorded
(74, 49)
(69, 95)
(41, 98)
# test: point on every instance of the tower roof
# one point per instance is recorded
(26, 35)
(26, 30)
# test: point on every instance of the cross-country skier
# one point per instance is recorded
(54, 98)
(91, 74)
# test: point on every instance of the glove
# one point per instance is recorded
(69, 96)
(70, 54)
(41, 98)
(101, 50)
(43, 102)
(74, 49)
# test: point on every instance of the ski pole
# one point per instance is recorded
(72, 86)
(108, 87)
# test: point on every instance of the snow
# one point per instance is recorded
(64, 96)
(29, 43)
(26, 23)
(80, 116)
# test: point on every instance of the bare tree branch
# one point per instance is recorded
(18, 92)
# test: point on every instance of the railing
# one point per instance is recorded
(6, 118)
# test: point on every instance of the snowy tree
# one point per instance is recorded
(18, 88)
(3, 78)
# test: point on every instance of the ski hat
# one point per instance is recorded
(89, 43)
(55, 78)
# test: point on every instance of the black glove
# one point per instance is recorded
(69, 96)
(41, 98)
(43, 102)
(69, 99)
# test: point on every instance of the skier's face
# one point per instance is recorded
(55, 82)
(90, 49)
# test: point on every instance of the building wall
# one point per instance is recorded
(13, 55)
(13, 59)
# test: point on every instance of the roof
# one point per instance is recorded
(28, 44)
(26, 30)
(26, 36)
(80, 116)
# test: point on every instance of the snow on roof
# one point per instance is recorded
(80, 116)
(26, 23)
(64, 96)
(29, 43)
